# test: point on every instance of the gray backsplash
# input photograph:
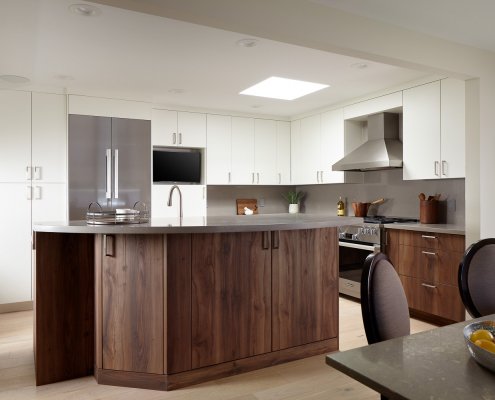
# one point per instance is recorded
(401, 197)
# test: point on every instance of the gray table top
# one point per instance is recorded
(429, 365)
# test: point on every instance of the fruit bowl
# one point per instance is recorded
(482, 356)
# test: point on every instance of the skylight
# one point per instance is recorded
(283, 88)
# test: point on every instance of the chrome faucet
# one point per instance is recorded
(169, 203)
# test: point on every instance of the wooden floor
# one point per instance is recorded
(309, 379)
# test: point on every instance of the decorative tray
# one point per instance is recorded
(119, 216)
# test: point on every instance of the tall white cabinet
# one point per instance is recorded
(33, 168)
(434, 130)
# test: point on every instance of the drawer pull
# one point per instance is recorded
(349, 284)
(428, 237)
(429, 253)
(428, 286)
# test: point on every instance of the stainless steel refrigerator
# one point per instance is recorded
(109, 163)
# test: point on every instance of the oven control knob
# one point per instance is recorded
(354, 236)
(341, 235)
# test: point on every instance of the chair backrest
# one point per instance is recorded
(383, 300)
(477, 278)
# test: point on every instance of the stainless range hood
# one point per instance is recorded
(383, 150)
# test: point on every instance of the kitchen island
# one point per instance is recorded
(172, 303)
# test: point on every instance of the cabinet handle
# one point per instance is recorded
(37, 192)
(444, 168)
(229, 177)
(266, 241)
(108, 172)
(29, 192)
(275, 240)
(116, 174)
(279, 178)
(204, 192)
(180, 138)
(317, 176)
(37, 173)
(321, 176)
(252, 177)
(429, 253)
(349, 284)
(108, 245)
(174, 138)
(29, 173)
(437, 166)
(428, 286)
(428, 237)
(257, 177)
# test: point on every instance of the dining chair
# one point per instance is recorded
(383, 301)
(477, 278)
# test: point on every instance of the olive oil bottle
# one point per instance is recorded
(340, 207)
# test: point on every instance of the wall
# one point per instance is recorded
(221, 199)
(401, 197)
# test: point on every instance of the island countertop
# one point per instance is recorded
(234, 223)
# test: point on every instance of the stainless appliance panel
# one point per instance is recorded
(131, 151)
(89, 139)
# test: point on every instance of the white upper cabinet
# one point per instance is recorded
(243, 151)
(434, 130)
(49, 137)
(373, 106)
(103, 107)
(15, 132)
(453, 128)
(283, 153)
(295, 152)
(308, 164)
(193, 201)
(218, 150)
(332, 145)
(265, 151)
(178, 128)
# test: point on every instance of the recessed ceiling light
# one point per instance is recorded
(176, 91)
(63, 77)
(14, 79)
(85, 10)
(256, 106)
(283, 88)
(359, 65)
(247, 43)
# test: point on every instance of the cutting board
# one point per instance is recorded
(249, 203)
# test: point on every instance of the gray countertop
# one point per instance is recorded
(452, 229)
(238, 223)
(430, 365)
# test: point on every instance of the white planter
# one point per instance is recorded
(293, 208)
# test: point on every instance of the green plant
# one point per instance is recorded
(293, 197)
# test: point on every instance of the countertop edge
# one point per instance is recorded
(450, 229)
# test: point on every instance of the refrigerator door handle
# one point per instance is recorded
(108, 184)
(116, 174)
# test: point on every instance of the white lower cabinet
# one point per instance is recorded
(15, 243)
(193, 201)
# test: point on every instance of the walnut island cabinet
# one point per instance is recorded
(169, 306)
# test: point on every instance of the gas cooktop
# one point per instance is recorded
(381, 219)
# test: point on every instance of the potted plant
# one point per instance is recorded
(294, 198)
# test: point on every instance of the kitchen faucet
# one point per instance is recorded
(169, 203)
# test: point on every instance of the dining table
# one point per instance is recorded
(434, 364)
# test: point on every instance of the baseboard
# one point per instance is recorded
(14, 307)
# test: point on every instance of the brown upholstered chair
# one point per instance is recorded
(383, 301)
(477, 278)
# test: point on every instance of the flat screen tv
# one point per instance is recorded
(180, 166)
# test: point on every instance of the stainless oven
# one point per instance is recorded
(356, 242)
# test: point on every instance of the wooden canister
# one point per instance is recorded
(428, 211)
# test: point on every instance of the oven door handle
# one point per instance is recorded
(375, 248)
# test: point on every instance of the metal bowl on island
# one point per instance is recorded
(483, 352)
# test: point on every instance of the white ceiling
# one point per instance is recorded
(125, 54)
(468, 22)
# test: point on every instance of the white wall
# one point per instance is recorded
(304, 23)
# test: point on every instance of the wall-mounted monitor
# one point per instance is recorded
(176, 165)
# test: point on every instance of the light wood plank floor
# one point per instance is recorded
(308, 379)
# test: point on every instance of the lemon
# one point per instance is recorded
(486, 344)
(481, 334)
